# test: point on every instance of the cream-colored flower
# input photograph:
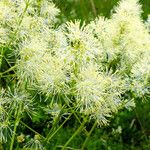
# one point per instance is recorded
(98, 94)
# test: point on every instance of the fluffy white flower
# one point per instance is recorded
(98, 93)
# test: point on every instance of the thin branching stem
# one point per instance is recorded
(76, 132)
(93, 7)
(32, 130)
(87, 138)
(18, 113)
(50, 137)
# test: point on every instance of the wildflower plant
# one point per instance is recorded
(84, 70)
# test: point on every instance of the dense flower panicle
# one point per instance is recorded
(4, 38)
(23, 17)
(6, 11)
(38, 42)
(90, 62)
(31, 26)
(142, 68)
(98, 29)
(51, 75)
(43, 61)
(11, 12)
(82, 44)
(75, 52)
(117, 35)
(7, 20)
(98, 93)
(129, 8)
(141, 75)
(49, 11)
(47, 71)
(126, 24)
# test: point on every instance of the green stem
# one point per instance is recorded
(73, 112)
(14, 133)
(1, 58)
(69, 148)
(78, 130)
(142, 128)
(10, 69)
(9, 75)
(15, 127)
(32, 130)
(59, 128)
(55, 123)
(93, 7)
(86, 140)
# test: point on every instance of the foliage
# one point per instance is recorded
(87, 10)
(74, 76)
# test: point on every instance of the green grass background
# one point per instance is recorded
(83, 10)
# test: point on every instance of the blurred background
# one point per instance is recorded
(88, 9)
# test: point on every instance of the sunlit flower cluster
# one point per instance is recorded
(98, 93)
(141, 75)
(89, 63)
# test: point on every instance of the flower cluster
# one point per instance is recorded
(89, 63)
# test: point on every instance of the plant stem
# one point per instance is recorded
(54, 125)
(32, 130)
(1, 58)
(73, 112)
(78, 130)
(93, 127)
(15, 126)
(142, 128)
(93, 7)
(10, 69)
(59, 128)
(14, 132)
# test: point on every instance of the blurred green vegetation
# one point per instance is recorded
(88, 9)
(128, 130)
